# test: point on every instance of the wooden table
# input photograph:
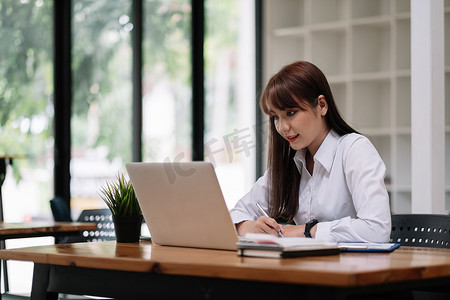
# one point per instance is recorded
(38, 229)
(141, 271)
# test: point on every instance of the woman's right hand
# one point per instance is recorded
(262, 225)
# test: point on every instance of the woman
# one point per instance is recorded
(322, 175)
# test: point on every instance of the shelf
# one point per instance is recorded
(403, 73)
(337, 79)
(403, 160)
(289, 32)
(404, 16)
(376, 132)
(403, 189)
(403, 130)
(372, 104)
(403, 7)
(401, 202)
(447, 161)
(328, 51)
(340, 95)
(329, 27)
(447, 33)
(301, 31)
(364, 49)
(384, 147)
(371, 76)
(403, 47)
(403, 102)
(335, 10)
(370, 8)
(447, 101)
(371, 48)
(376, 22)
(285, 14)
(291, 49)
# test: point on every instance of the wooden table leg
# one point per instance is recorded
(41, 277)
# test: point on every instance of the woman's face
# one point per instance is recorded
(302, 127)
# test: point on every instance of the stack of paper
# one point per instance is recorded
(265, 245)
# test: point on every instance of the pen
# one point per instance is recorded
(265, 214)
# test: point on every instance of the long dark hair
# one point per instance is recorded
(295, 85)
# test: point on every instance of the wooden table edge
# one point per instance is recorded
(241, 269)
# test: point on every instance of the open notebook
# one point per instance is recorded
(265, 245)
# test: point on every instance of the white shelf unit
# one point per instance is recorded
(363, 47)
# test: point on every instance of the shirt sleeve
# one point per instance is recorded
(246, 209)
(364, 173)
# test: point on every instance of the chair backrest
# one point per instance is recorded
(60, 210)
(61, 213)
(105, 226)
(421, 230)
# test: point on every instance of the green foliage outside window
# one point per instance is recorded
(100, 29)
(26, 73)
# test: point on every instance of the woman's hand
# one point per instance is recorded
(298, 230)
(262, 225)
(294, 230)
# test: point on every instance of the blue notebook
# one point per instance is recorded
(368, 247)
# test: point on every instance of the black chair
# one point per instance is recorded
(102, 217)
(60, 210)
(421, 230)
(105, 226)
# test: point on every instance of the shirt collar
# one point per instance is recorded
(324, 155)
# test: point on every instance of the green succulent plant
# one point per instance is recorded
(119, 196)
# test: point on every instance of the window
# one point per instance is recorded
(102, 97)
(26, 119)
(102, 91)
(26, 113)
(167, 92)
(230, 133)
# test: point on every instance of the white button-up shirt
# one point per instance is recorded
(346, 192)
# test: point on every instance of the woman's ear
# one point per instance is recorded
(322, 105)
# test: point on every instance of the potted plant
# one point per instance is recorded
(126, 213)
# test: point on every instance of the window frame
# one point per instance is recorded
(63, 87)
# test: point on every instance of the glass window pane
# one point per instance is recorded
(230, 138)
(26, 121)
(26, 108)
(102, 97)
(167, 89)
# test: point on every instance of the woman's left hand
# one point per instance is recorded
(297, 230)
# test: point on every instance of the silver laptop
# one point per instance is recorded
(183, 205)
